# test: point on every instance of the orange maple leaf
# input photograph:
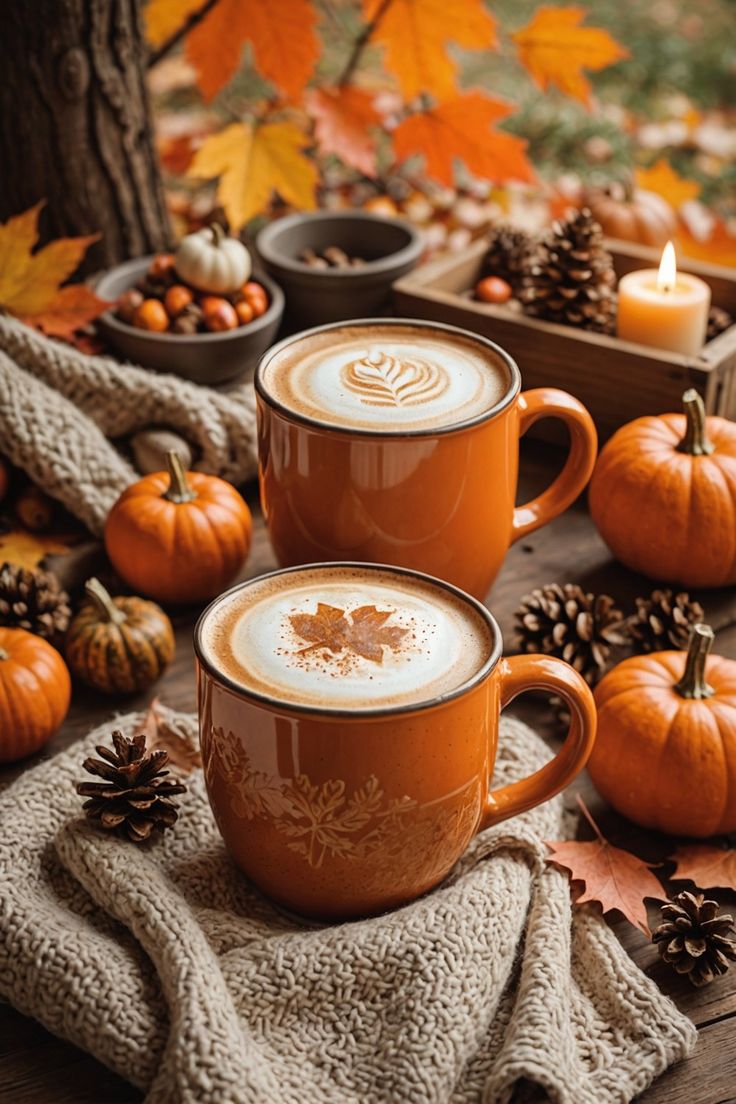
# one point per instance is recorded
(708, 866)
(365, 631)
(29, 282)
(281, 34)
(463, 128)
(416, 33)
(26, 549)
(719, 248)
(614, 878)
(343, 120)
(662, 179)
(555, 49)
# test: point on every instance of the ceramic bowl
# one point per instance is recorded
(205, 358)
(390, 247)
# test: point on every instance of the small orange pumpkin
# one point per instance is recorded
(665, 753)
(662, 496)
(35, 689)
(635, 216)
(178, 536)
(118, 645)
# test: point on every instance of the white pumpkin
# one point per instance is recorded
(210, 261)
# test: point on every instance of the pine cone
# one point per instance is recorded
(508, 255)
(693, 939)
(571, 279)
(719, 320)
(33, 600)
(663, 620)
(133, 800)
(566, 622)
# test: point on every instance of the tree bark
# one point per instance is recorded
(75, 125)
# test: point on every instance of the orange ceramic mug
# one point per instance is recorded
(392, 441)
(349, 723)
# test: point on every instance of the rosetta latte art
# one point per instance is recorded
(383, 380)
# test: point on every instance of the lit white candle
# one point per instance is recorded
(665, 308)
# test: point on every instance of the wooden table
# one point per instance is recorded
(37, 1068)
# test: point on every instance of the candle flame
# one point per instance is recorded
(667, 275)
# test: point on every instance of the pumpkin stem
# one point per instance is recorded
(695, 442)
(217, 232)
(96, 592)
(179, 490)
(693, 684)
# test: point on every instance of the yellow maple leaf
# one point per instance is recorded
(26, 549)
(254, 161)
(555, 49)
(163, 18)
(662, 179)
(416, 33)
(29, 282)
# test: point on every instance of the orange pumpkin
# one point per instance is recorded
(35, 689)
(662, 496)
(665, 753)
(637, 216)
(178, 536)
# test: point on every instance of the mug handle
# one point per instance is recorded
(541, 672)
(548, 402)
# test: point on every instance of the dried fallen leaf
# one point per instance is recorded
(28, 549)
(160, 735)
(281, 33)
(707, 865)
(29, 282)
(163, 18)
(662, 179)
(614, 878)
(556, 49)
(344, 118)
(463, 128)
(364, 632)
(252, 162)
(416, 33)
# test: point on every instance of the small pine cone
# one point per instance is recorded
(134, 798)
(508, 254)
(663, 621)
(564, 621)
(570, 277)
(719, 320)
(694, 939)
(33, 600)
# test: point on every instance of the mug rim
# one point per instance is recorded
(342, 711)
(362, 431)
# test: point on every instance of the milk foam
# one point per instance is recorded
(340, 637)
(386, 378)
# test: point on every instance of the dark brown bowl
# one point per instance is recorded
(390, 247)
(205, 358)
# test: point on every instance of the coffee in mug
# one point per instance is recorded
(349, 721)
(395, 441)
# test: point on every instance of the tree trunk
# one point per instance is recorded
(75, 125)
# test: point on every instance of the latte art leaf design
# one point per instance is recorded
(364, 633)
(384, 380)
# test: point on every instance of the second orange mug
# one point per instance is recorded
(437, 497)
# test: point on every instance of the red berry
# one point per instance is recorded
(493, 290)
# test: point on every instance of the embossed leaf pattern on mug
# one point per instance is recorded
(384, 380)
(323, 820)
(364, 632)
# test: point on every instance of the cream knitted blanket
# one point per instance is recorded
(59, 407)
(168, 966)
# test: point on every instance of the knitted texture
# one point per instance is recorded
(58, 407)
(165, 963)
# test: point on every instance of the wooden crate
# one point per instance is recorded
(616, 380)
